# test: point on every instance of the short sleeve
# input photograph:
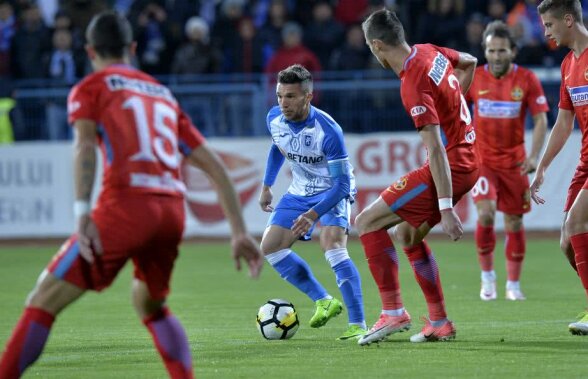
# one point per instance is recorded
(417, 98)
(334, 145)
(273, 113)
(537, 102)
(452, 55)
(189, 136)
(565, 102)
(81, 103)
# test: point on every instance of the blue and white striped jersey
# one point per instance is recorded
(314, 148)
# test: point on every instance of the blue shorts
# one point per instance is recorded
(292, 206)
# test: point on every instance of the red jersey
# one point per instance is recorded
(431, 94)
(141, 130)
(573, 95)
(500, 107)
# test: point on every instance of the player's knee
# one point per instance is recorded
(403, 236)
(362, 222)
(565, 245)
(268, 248)
(143, 303)
(513, 223)
(575, 224)
(486, 218)
(148, 307)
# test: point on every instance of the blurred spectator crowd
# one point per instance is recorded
(44, 39)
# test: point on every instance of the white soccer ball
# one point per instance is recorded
(277, 320)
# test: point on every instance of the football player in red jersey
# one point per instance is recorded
(502, 92)
(433, 80)
(563, 24)
(140, 129)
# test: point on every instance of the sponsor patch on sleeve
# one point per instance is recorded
(417, 110)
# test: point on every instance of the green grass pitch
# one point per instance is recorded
(100, 336)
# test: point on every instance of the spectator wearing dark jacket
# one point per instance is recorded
(30, 43)
(246, 53)
(354, 54)
(196, 56)
(324, 33)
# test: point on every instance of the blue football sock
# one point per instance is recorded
(349, 283)
(297, 272)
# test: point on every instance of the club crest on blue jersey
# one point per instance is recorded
(578, 95)
(307, 140)
(499, 109)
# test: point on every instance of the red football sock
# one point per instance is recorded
(426, 273)
(383, 263)
(27, 342)
(580, 245)
(515, 254)
(171, 342)
(485, 242)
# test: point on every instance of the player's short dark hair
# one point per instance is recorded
(296, 74)
(385, 26)
(498, 29)
(110, 34)
(559, 8)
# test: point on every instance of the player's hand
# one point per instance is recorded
(535, 185)
(303, 223)
(265, 199)
(88, 238)
(528, 166)
(243, 246)
(451, 224)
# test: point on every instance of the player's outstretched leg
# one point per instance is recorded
(297, 272)
(349, 283)
(171, 342)
(383, 264)
(437, 326)
(485, 243)
(26, 343)
(50, 296)
(166, 330)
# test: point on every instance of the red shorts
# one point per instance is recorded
(144, 228)
(414, 196)
(578, 183)
(508, 188)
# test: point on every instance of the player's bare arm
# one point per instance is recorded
(265, 198)
(85, 172)
(557, 138)
(441, 172)
(464, 71)
(539, 131)
(243, 245)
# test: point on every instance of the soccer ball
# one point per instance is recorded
(277, 320)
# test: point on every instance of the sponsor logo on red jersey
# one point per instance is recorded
(417, 110)
(439, 68)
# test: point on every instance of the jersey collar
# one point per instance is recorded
(303, 123)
